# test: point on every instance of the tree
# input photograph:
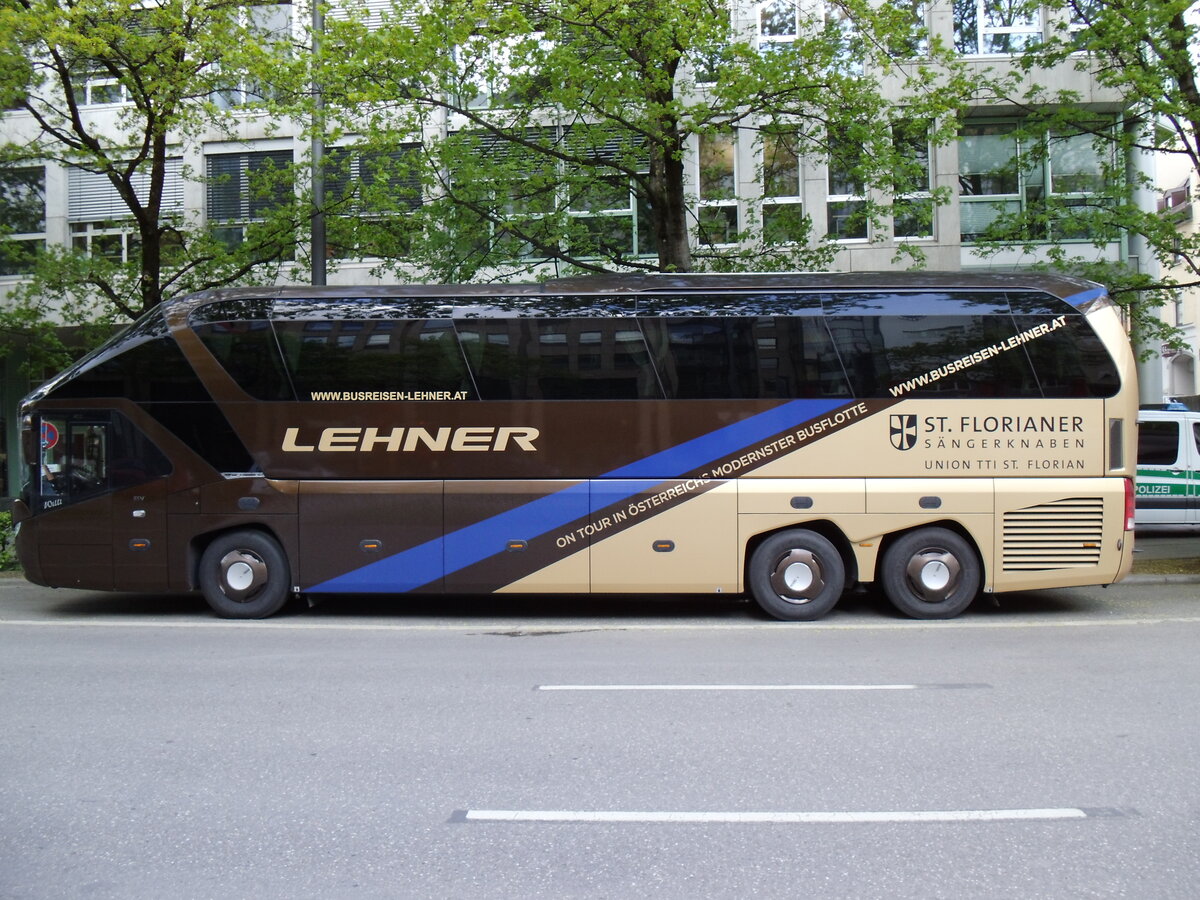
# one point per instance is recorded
(560, 132)
(114, 90)
(1145, 51)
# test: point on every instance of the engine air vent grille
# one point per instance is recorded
(1065, 534)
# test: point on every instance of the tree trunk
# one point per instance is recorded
(668, 205)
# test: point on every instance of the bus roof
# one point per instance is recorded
(1076, 291)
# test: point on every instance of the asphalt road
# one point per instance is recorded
(545, 747)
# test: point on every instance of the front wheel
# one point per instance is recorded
(796, 575)
(244, 575)
(931, 573)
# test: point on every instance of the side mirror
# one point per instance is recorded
(20, 511)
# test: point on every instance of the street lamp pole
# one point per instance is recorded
(318, 249)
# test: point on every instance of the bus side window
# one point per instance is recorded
(603, 359)
(83, 456)
(704, 358)
(860, 344)
(559, 359)
(248, 352)
(796, 358)
(89, 459)
(74, 462)
(52, 468)
(347, 355)
(133, 457)
(500, 357)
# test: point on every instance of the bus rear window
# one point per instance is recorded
(1070, 361)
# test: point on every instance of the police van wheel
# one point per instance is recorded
(797, 575)
(931, 573)
(244, 575)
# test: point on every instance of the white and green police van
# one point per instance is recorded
(1168, 467)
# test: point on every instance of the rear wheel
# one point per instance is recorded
(931, 573)
(244, 575)
(796, 575)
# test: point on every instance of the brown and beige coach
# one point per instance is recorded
(782, 435)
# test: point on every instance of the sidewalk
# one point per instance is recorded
(1166, 552)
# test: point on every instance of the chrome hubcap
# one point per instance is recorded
(798, 577)
(934, 574)
(243, 573)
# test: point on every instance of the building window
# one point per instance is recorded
(244, 188)
(912, 202)
(502, 194)
(846, 205)
(1038, 183)
(494, 71)
(841, 27)
(267, 24)
(101, 222)
(115, 243)
(783, 218)
(606, 202)
(718, 211)
(913, 40)
(607, 212)
(1075, 176)
(370, 196)
(996, 26)
(1081, 14)
(989, 177)
(97, 90)
(777, 23)
(22, 218)
(521, 203)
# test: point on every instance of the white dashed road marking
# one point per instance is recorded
(781, 818)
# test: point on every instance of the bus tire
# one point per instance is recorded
(244, 575)
(931, 573)
(796, 575)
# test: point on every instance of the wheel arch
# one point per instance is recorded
(823, 527)
(200, 542)
(950, 525)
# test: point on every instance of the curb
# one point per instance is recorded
(1160, 579)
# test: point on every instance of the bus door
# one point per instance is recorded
(73, 502)
(101, 503)
(1168, 484)
(139, 536)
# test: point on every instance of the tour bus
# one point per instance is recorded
(785, 436)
